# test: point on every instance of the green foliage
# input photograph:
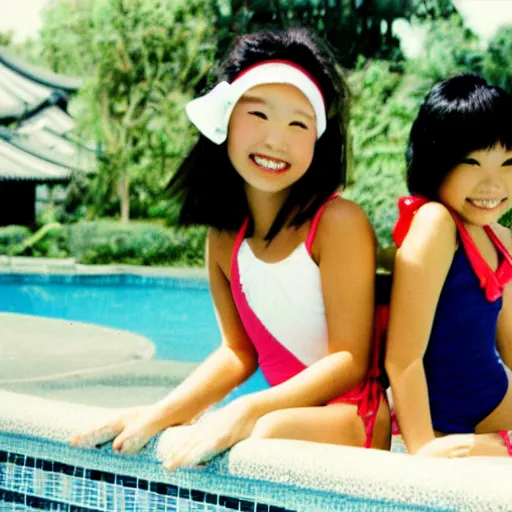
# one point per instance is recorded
(384, 105)
(12, 236)
(49, 241)
(449, 48)
(432, 9)
(352, 28)
(506, 220)
(104, 242)
(497, 63)
(5, 38)
(67, 37)
(145, 59)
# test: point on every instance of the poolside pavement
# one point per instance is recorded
(83, 363)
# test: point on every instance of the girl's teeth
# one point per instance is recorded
(269, 164)
(486, 203)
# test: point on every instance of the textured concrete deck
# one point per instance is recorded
(82, 363)
(35, 348)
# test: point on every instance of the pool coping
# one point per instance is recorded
(297, 475)
(69, 266)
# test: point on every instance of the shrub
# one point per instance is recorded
(12, 236)
(138, 243)
(384, 105)
(51, 241)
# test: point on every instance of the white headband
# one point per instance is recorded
(211, 113)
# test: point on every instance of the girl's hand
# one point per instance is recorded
(130, 430)
(450, 446)
(191, 445)
(465, 445)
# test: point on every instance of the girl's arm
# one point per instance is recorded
(234, 361)
(504, 328)
(420, 270)
(227, 367)
(344, 248)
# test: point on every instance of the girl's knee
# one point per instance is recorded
(268, 426)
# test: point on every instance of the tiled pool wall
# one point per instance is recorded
(190, 282)
(38, 468)
(49, 269)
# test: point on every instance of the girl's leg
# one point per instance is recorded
(487, 439)
(337, 423)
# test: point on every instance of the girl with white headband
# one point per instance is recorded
(291, 264)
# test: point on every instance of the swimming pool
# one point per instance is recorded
(175, 314)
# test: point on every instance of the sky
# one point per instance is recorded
(21, 16)
(483, 16)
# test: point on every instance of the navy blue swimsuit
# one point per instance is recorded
(465, 376)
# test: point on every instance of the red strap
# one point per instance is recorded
(407, 208)
(506, 437)
(492, 282)
(238, 240)
(314, 223)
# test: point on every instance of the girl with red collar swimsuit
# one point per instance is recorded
(449, 347)
(291, 264)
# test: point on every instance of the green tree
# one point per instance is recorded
(67, 36)
(352, 27)
(5, 38)
(146, 58)
(432, 9)
(497, 62)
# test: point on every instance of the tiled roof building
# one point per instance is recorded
(37, 145)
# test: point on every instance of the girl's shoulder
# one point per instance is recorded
(342, 212)
(431, 237)
(220, 245)
(433, 220)
(434, 213)
(340, 222)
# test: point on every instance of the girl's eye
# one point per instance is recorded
(298, 123)
(507, 163)
(470, 161)
(256, 113)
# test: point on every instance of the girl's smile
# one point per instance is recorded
(486, 204)
(269, 164)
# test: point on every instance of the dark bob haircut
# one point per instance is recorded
(459, 115)
(210, 190)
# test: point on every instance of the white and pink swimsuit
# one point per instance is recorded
(282, 308)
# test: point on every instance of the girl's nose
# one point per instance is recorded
(492, 183)
(274, 140)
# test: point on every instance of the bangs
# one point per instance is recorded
(476, 119)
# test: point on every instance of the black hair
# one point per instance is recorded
(458, 116)
(210, 190)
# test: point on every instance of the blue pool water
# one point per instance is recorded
(176, 315)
